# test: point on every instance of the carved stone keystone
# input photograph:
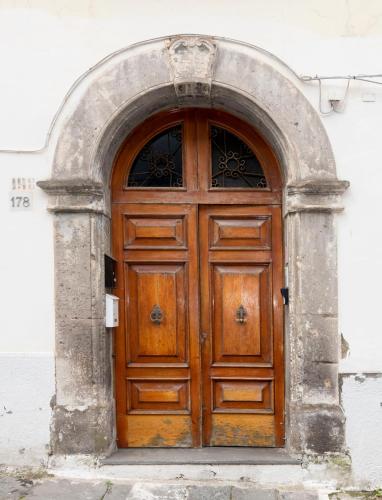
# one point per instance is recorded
(192, 63)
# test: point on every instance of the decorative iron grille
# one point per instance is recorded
(234, 164)
(159, 163)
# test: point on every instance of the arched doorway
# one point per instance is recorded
(101, 109)
(196, 214)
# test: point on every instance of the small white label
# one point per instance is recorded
(20, 200)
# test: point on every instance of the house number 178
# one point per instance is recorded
(20, 201)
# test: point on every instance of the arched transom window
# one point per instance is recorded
(197, 151)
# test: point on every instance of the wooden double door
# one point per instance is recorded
(199, 349)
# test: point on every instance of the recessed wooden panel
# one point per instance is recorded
(244, 233)
(148, 396)
(156, 431)
(254, 396)
(156, 312)
(242, 430)
(154, 232)
(241, 313)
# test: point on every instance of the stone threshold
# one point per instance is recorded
(187, 456)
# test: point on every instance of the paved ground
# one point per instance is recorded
(64, 489)
(50, 488)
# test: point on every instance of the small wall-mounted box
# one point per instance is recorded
(110, 272)
(111, 314)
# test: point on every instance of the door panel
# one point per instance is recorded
(156, 313)
(240, 295)
(241, 233)
(158, 396)
(239, 429)
(144, 232)
(155, 431)
(157, 342)
(241, 317)
(228, 394)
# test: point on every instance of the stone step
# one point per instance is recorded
(264, 475)
(265, 466)
(95, 489)
(214, 455)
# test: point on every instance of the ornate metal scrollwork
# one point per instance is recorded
(234, 164)
(241, 314)
(159, 163)
(156, 315)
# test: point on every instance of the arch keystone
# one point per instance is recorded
(192, 60)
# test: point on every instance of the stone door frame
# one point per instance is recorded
(101, 109)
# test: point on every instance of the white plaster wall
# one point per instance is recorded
(27, 330)
(26, 264)
(26, 388)
(362, 399)
(46, 45)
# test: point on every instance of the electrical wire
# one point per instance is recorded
(362, 78)
(369, 81)
(349, 78)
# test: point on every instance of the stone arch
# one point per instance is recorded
(114, 97)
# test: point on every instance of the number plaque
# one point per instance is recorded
(20, 200)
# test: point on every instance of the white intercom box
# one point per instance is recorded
(111, 316)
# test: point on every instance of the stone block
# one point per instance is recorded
(73, 266)
(320, 338)
(314, 270)
(298, 495)
(209, 492)
(316, 428)
(83, 361)
(85, 430)
(65, 489)
(140, 491)
(253, 493)
(324, 430)
(320, 383)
